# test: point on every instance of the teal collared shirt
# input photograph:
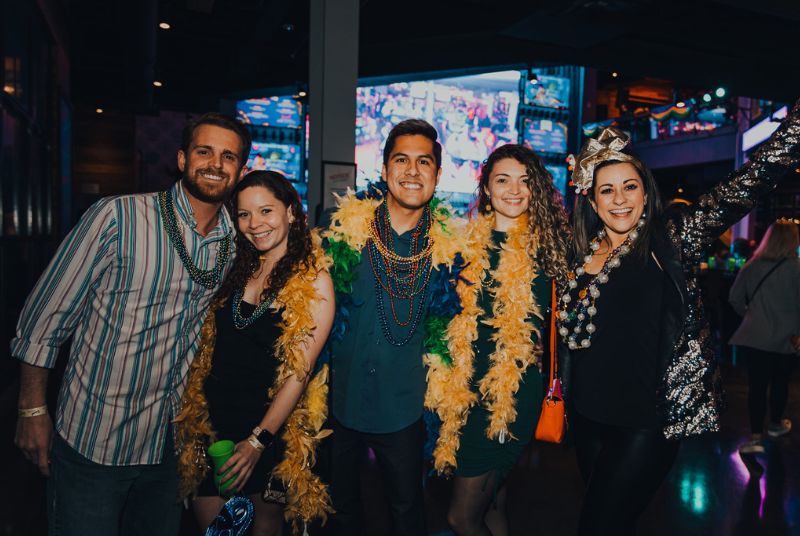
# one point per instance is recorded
(377, 387)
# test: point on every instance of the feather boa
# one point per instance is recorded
(307, 496)
(449, 392)
(348, 234)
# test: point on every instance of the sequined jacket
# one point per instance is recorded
(689, 392)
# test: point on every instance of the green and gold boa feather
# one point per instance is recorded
(449, 393)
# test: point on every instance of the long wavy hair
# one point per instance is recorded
(546, 215)
(779, 242)
(298, 247)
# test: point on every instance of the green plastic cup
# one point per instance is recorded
(220, 452)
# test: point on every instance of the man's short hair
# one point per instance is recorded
(412, 127)
(222, 121)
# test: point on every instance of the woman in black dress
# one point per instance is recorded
(259, 345)
(638, 371)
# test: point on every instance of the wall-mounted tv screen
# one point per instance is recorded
(472, 114)
(559, 174)
(547, 91)
(545, 135)
(270, 112)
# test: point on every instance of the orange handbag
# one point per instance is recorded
(552, 420)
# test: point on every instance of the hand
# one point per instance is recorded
(35, 438)
(241, 463)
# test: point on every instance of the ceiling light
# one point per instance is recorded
(98, 110)
(164, 25)
(706, 97)
(157, 83)
(681, 104)
(288, 27)
(301, 93)
(680, 190)
(720, 92)
(614, 74)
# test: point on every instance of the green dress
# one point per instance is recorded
(477, 454)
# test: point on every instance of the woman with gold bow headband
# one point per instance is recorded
(637, 369)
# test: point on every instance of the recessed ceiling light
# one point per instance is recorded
(614, 74)
(164, 25)
(98, 110)
(157, 83)
(302, 93)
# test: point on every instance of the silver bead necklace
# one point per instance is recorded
(575, 318)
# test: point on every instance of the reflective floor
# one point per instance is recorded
(711, 490)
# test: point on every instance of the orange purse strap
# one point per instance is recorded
(553, 314)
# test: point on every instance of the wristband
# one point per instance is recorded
(32, 412)
(265, 437)
(255, 443)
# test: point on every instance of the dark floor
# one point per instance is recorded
(710, 491)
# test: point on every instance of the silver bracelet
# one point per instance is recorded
(255, 443)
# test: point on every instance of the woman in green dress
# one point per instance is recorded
(489, 396)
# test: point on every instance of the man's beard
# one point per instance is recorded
(203, 193)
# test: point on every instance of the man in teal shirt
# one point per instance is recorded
(377, 374)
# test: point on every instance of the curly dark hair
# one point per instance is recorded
(546, 215)
(299, 250)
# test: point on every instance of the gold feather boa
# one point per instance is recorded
(351, 222)
(449, 392)
(307, 496)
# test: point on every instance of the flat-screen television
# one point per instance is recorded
(547, 91)
(270, 112)
(545, 135)
(472, 114)
(280, 157)
(559, 174)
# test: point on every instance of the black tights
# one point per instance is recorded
(767, 370)
(472, 511)
(622, 468)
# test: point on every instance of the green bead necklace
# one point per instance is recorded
(207, 278)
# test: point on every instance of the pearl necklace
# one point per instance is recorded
(584, 309)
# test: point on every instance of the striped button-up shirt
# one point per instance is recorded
(118, 286)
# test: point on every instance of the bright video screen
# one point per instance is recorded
(548, 92)
(545, 135)
(559, 174)
(472, 114)
(283, 158)
(270, 112)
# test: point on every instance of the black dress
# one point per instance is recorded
(242, 371)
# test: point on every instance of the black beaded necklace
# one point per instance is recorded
(241, 322)
(207, 278)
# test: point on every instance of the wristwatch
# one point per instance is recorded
(265, 437)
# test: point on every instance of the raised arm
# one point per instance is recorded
(732, 199)
(49, 316)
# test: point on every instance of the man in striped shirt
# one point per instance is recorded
(131, 284)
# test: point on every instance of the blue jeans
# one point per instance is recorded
(84, 497)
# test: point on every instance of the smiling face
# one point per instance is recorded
(264, 220)
(619, 199)
(509, 191)
(212, 165)
(410, 173)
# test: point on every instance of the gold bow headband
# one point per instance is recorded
(607, 146)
